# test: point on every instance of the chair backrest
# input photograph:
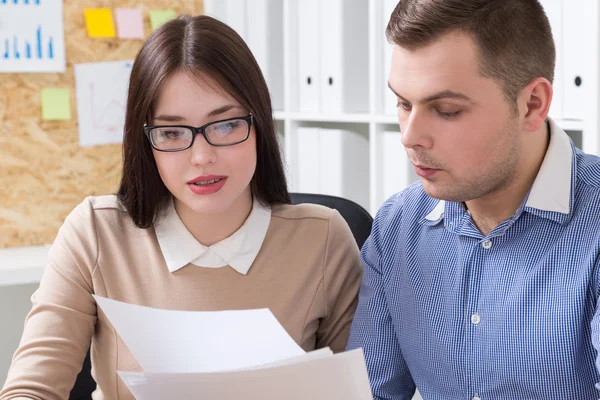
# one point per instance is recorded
(84, 384)
(359, 220)
(357, 217)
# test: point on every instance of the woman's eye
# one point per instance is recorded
(172, 134)
(226, 127)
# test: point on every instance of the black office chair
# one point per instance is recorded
(358, 219)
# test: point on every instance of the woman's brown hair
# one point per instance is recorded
(210, 50)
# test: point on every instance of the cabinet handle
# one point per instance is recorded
(577, 81)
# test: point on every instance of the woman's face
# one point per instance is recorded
(204, 179)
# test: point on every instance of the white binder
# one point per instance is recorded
(264, 36)
(344, 165)
(574, 59)
(307, 160)
(397, 170)
(553, 9)
(344, 77)
(235, 11)
(331, 161)
(389, 99)
(308, 37)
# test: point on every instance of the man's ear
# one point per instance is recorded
(534, 103)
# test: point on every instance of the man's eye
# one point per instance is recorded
(404, 106)
(446, 114)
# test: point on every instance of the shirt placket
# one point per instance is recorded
(472, 315)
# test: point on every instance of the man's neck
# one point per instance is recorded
(496, 207)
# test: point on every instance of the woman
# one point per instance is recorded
(201, 221)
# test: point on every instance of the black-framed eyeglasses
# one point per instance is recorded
(226, 132)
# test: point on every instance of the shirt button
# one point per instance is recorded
(475, 319)
(476, 398)
(487, 244)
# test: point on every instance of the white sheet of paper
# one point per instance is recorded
(101, 89)
(339, 377)
(31, 36)
(195, 341)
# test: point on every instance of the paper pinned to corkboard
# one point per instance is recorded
(45, 173)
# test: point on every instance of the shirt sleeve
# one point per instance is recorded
(342, 273)
(372, 329)
(596, 318)
(59, 327)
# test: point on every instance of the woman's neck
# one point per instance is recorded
(209, 229)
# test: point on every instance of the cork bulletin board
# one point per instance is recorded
(44, 172)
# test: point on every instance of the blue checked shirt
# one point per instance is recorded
(510, 315)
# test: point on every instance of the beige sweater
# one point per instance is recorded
(307, 273)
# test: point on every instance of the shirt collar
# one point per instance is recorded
(552, 191)
(180, 248)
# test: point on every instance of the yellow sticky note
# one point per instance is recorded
(56, 104)
(159, 17)
(99, 22)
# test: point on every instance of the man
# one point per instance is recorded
(481, 281)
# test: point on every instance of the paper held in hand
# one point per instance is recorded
(228, 355)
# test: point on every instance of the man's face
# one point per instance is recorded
(459, 131)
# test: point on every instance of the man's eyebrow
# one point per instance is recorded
(444, 94)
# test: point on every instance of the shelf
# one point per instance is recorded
(320, 117)
(570, 124)
(22, 265)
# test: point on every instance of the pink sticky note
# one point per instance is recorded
(130, 23)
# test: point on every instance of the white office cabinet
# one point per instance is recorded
(574, 58)
(307, 43)
(321, 39)
(553, 9)
(343, 75)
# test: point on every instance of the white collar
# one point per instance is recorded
(239, 250)
(551, 190)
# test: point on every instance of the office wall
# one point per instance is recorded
(14, 306)
(44, 171)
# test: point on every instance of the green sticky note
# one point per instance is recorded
(56, 104)
(159, 17)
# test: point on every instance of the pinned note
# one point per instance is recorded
(159, 17)
(56, 104)
(99, 22)
(130, 23)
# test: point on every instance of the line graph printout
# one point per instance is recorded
(101, 90)
(31, 36)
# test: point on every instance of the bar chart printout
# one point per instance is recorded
(31, 36)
